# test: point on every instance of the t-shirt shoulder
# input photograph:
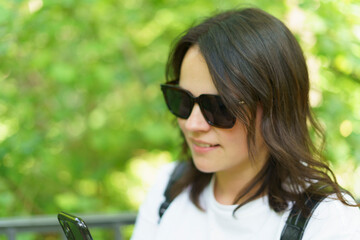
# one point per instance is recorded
(155, 195)
(333, 220)
(147, 220)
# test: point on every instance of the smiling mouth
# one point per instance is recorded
(205, 145)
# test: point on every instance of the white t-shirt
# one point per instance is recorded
(331, 220)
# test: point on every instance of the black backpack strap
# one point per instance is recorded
(176, 174)
(296, 223)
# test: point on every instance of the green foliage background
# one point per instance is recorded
(83, 127)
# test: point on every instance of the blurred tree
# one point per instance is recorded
(82, 123)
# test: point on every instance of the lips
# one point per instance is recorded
(200, 146)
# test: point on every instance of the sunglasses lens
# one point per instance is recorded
(178, 102)
(216, 112)
(181, 103)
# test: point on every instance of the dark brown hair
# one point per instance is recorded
(253, 57)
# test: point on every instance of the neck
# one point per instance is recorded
(228, 184)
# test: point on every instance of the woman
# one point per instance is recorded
(238, 85)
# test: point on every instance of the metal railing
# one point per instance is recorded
(11, 227)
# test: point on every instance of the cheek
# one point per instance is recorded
(236, 137)
(181, 123)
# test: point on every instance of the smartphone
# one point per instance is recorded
(74, 227)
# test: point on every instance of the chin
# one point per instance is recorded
(203, 166)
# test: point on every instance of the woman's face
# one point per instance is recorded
(215, 149)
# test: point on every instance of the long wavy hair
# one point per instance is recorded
(253, 57)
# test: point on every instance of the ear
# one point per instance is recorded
(258, 123)
(259, 114)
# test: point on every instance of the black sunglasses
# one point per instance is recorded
(181, 102)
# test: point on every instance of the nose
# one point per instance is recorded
(196, 120)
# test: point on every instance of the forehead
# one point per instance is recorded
(194, 73)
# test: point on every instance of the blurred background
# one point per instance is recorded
(83, 126)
